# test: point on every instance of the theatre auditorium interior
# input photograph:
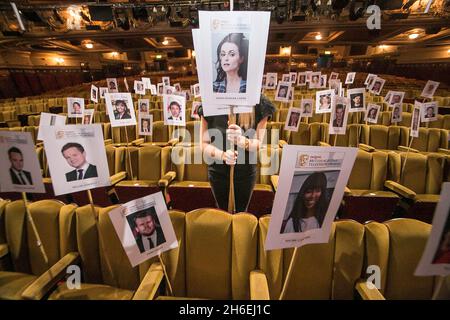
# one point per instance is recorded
(118, 198)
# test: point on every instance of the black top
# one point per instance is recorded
(264, 108)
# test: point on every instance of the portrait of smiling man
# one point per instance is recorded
(75, 156)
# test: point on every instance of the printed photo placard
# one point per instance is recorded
(88, 116)
(436, 256)
(372, 113)
(357, 99)
(293, 119)
(75, 107)
(21, 170)
(103, 90)
(76, 157)
(139, 87)
(144, 228)
(166, 81)
(430, 89)
(297, 218)
(307, 107)
(429, 111)
(94, 94)
(415, 120)
(339, 116)
(315, 80)
(397, 113)
(324, 101)
(145, 124)
(174, 110)
(301, 79)
(147, 82)
(112, 85)
(49, 119)
(271, 80)
(377, 86)
(350, 78)
(143, 106)
(282, 93)
(120, 109)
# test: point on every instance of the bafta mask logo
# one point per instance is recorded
(215, 24)
(302, 160)
(59, 134)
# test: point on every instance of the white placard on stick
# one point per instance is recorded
(147, 83)
(144, 228)
(94, 94)
(357, 99)
(120, 109)
(111, 83)
(49, 119)
(143, 106)
(76, 157)
(324, 101)
(88, 116)
(293, 120)
(397, 113)
(174, 110)
(436, 256)
(310, 189)
(232, 49)
(429, 111)
(430, 89)
(350, 78)
(282, 93)
(271, 80)
(415, 120)
(145, 124)
(372, 113)
(307, 107)
(139, 87)
(75, 107)
(21, 170)
(339, 116)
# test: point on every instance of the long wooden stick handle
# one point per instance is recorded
(35, 231)
(129, 154)
(402, 172)
(231, 197)
(438, 288)
(169, 286)
(289, 273)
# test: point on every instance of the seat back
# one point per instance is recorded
(160, 132)
(189, 164)
(154, 162)
(369, 171)
(396, 246)
(302, 136)
(322, 271)
(221, 250)
(56, 231)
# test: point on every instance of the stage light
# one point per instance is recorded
(59, 60)
(328, 53)
(285, 51)
(165, 42)
(413, 36)
(89, 45)
(114, 54)
(318, 37)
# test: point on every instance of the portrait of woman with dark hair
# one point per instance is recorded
(231, 64)
(122, 111)
(310, 205)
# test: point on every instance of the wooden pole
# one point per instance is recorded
(35, 231)
(289, 273)
(165, 274)
(437, 290)
(231, 198)
(406, 159)
(335, 139)
(129, 154)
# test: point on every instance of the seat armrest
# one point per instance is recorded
(282, 143)
(117, 177)
(150, 284)
(400, 189)
(274, 181)
(347, 191)
(367, 293)
(173, 141)
(405, 149)
(167, 179)
(259, 289)
(108, 141)
(444, 151)
(323, 144)
(366, 147)
(4, 250)
(48, 279)
(138, 142)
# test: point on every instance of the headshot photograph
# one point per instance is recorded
(429, 111)
(160, 89)
(396, 113)
(112, 85)
(301, 79)
(177, 87)
(350, 78)
(94, 94)
(196, 90)
(169, 90)
(75, 156)
(335, 85)
(120, 109)
(18, 156)
(307, 107)
(75, 107)
(369, 79)
(308, 201)
(323, 81)
(315, 80)
(377, 86)
(293, 77)
(334, 76)
(430, 89)
(143, 105)
(293, 119)
(324, 101)
(194, 110)
(145, 124)
(16, 170)
(415, 122)
(338, 116)
(282, 92)
(102, 91)
(372, 112)
(271, 81)
(231, 63)
(146, 229)
(166, 81)
(286, 77)
(139, 87)
(396, 97)
(174, 109)
(356, 97)
(153, 90)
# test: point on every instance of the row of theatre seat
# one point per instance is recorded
(219, 256)
(380, 186)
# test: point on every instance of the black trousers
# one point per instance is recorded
(244, 183)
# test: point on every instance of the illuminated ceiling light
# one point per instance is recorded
(114, 54)
(285, 51)
(193, 53)
(158, 56)
(59, 60)
(328, 53)
(413, 36)
(318, 37)
(165, 42)
(89, 45)
(382, 46)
